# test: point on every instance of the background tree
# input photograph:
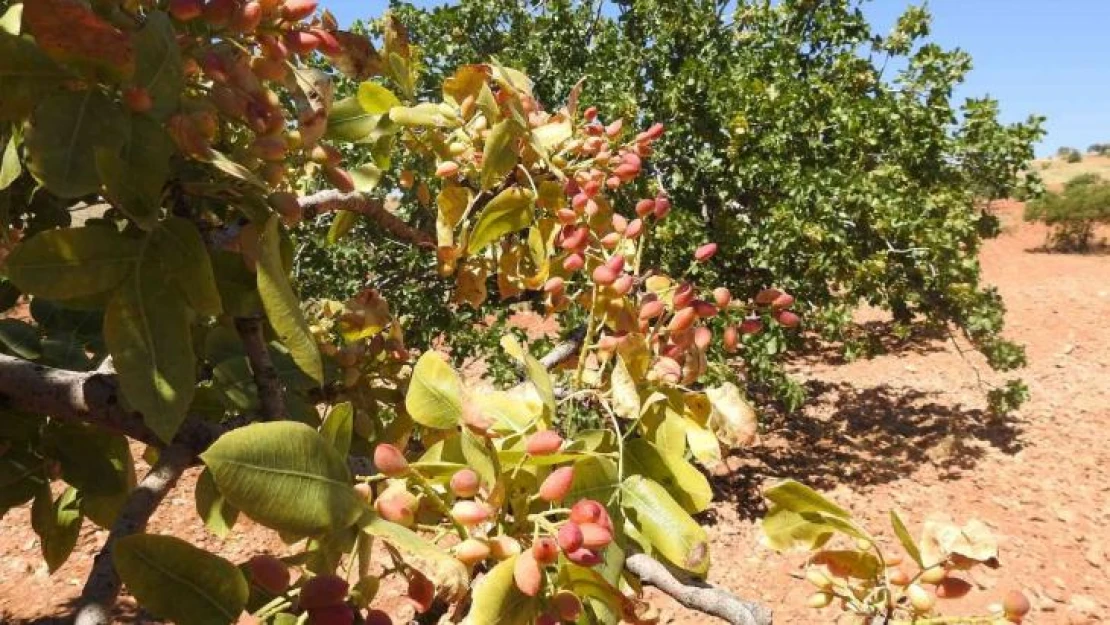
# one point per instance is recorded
(826, 171)
(1073, 214)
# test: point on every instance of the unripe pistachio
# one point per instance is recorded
(543, 443)
(472, 551)
(705, 252)
(390, 461)
(323, 591)
(623, 285)
(545, 550)
(731, 339)
(635, 227)
(465, 483)
(921, 600)
(269, 574)
(527, 574)
(557, 485)
(574, 262)
(570, 537)
(683, 320)
(662, 207)
(447, 169)
(297, 10)
(503, 547)
(138, 99)
(470, 513)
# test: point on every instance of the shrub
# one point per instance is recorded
(1073, 214)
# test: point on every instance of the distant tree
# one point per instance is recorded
(1073, 214)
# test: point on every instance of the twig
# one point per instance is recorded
(103, 585)
(332, 200)
(271, 396)
(697, 595)
(565, 350)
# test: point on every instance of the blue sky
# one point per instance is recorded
(1035, 56)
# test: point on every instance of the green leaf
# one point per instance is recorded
(72, 262)
(497, 600)
(185, 260)
(219, 516)
(348, 121)
(134, 176)
(179, 582)
(594, 478)
(905, 538)
(158, 66)
(499, 156)
(510, 412)
(58, 524)
(688, 486)
(797, 497)
(65, 131)
(342, 224)
(12, 20)
(236, 284)
(434, 398)
(626, 396)
(478, 457)
(509, 212)
(449, 574)
(425, 114)
(376, 99)
(93, 461)
(26, 73)
(10, 167)
(285, 476)
(366, 177)
(148, 331)
(282, 305)
(20, 339)
(665, 525)
(338, 427)
(22, 475)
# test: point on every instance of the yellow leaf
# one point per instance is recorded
(733, 418)
(434, 398)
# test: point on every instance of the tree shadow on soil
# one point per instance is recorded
(124, 612)
(875, 338)
(1096, 249)
(864, 437)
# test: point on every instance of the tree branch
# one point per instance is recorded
(271, 395)
(332, 200)
(89, 397)
(563, 351)
(697, 595)
(103, 584)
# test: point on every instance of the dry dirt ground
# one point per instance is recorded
(905, 430)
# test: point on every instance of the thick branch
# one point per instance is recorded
(332, 200)
(88, 397)
(697, 595)
(103, 585)
(270, 393)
